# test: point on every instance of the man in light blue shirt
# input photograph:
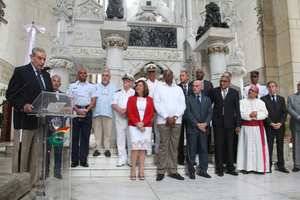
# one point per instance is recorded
(102, 114)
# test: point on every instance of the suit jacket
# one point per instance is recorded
(23, 88)
(190, 88)
(207, 87)
(277, 112)
(231, 117)
(293, 107)
(197, 112)
(133, 113)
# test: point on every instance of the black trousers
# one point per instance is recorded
(224, 149)
(81, 137)
(197, 144)
(181, 152)
(279, 136)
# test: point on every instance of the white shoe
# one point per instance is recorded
(121, 163)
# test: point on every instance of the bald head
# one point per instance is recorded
(199, 74)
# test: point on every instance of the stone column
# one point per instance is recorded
(114, 36)
(61, 67)
(214, 41)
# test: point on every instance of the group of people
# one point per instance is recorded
(148, 110)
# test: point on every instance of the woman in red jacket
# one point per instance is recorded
(140, 113)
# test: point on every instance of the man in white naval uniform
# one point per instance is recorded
(152, 83)
(119, 105)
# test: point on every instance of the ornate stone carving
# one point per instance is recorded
(90, 10)
(64, 7)
(146, 36)
(213, 19)
(56, 62)
(114, 40)
(218, 49)
(154, 54)
(115, 9)
(2, 13)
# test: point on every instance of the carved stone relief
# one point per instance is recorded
(2, 13)
(90, 10)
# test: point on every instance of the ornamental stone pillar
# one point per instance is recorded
(114, 36)
(61, 67)
(215, 41)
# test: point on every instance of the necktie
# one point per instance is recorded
(274, 101)
(184, 89)
(198, 99)
(39, 74)
(224, 93)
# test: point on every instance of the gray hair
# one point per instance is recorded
(37, 49)
(107, 70)
(56, 76)
(184, 71)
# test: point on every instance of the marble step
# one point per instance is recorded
(106, 167)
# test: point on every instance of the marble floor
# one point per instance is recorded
(275, 186)
(110, 186)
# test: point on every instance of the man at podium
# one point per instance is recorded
(25, 85)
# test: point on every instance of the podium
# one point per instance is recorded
(54, 111)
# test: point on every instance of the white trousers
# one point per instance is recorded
(122, 138)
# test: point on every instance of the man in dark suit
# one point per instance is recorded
(226, 121)
(186, 87)
(274, 123)
(25, 85)
(198, 115)
(207, 87)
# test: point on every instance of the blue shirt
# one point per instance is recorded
(104, 100)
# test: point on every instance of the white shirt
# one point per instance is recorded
(141, 106)
(82, 92)
(121, 97)
(39, 74)
(152, 86)
(169, 101)
(262, 90)
(249, 105)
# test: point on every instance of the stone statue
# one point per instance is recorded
(115, 9)
(213, 19)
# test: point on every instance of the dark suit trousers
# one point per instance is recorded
(197, 143)
(224, 151)
(279, 136)
(181, 144)
(80, 137)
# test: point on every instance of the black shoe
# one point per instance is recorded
(58, 175)
(284, 170)
(296, 169)
(244, 172)
(233, 173)
(220, 174)
(96, 153)
(107, 153)
(176, 176)
(192, 175)
(160, 177)
(203, 174)
(84, 164)
(74, 164)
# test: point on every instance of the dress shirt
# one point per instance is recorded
(104, 98)
(40, 75)
(152, 86)
(169, 101)
(82, 92)
(121, 97)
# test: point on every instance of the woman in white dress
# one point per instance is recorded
(140, 113)
(253, 152)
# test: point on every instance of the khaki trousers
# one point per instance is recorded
(29, 159)
(102, 127)
(168, 149)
